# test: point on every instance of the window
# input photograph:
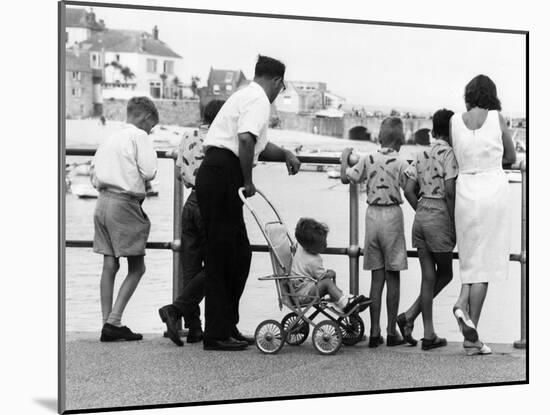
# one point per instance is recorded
(152, 65)
(76, 76)
(169, 67)
(76, 92)
(216, 89)
(66, 37)
(117, 57)
(229, 87)
(96, 61)
(228, 76)
(287, 100)
(154, 88)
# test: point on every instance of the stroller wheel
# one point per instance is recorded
(296, 334)
(327, 337)
(269, 336)
(352, 328)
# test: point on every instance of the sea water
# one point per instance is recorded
(308, 193)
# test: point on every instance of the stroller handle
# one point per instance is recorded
(259, 222)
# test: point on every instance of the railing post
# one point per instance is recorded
(353, 238)
(522, 342)
(177, 282)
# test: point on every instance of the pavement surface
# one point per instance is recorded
(154, 371)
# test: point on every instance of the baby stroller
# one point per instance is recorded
(328, 335)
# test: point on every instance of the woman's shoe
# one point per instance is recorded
(406, 329)
(474, 349)
(467, 326)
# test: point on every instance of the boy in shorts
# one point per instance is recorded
(122, 165)
(434, 170)
(193, 237)
(385, 250)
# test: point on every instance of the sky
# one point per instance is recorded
(412, 69)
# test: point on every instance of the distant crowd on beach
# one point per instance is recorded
(455, 184)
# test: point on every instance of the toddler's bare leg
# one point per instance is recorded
(376, 287)
(327, 286)
(106, 285)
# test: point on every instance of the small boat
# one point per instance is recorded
(87, 191)
(83, 169)
(333, 173)
(84, 191)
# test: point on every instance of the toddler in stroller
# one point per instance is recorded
(302, 285)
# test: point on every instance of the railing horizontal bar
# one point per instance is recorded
(263, 248)
(89, 244)
(162, 154)
(169, 154)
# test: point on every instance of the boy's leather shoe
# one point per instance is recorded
(170, 318)
(110, 333)
(394, 340)
(194, 335)
(225, 344)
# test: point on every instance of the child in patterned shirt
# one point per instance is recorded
(385, 250)
(193, 237)
(435, 170)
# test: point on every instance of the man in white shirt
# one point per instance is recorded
(235, 140)
(122, 165)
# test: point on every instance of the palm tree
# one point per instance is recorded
(127, 73)
(163, 77)
(194, 85)
(176, 82)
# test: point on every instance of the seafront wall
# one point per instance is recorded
(184, 113)
(339, 127)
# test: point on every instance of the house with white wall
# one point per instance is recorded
(135, 60)
(80, 25)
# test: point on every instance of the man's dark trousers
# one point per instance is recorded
(228, 252)
(193, 244)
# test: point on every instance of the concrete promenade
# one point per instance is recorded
(155, 371)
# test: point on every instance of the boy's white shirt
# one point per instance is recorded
(124, 162)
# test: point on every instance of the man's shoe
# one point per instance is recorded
(110, 333)
(194, 335)
(170, 318)
(226, 344)
(237, 335)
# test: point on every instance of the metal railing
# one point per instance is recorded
(353, 251)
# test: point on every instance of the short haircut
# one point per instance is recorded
(269, 68)
(441, 120)
(391, 131)
(422, 136)
(482, 92)
(140, 105)
(309, 232)
(211, 110)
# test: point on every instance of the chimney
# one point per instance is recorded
(156, 33)
(142, 42)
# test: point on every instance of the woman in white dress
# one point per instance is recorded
(482, 144)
